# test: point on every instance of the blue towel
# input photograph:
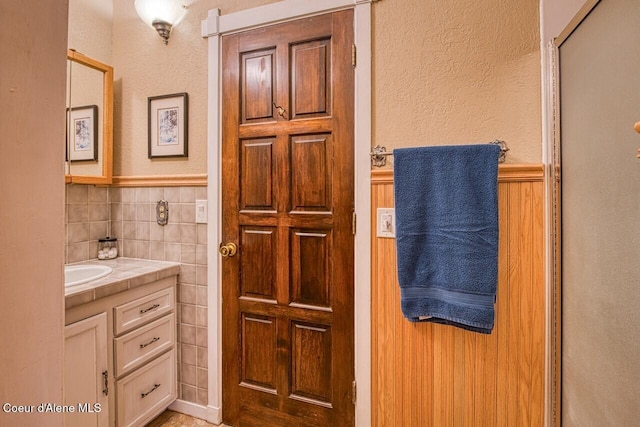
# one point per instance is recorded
(446, 201)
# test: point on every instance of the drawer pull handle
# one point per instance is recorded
(150, 342)
(153, 307)
(105, 380)
(155, 387)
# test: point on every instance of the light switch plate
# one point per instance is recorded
(386, 225)
(201, 211)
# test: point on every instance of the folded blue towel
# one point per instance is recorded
(446, 201)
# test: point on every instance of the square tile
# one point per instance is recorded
(187, 195)
(172, 194)
(115, 195)
(187, 294)
(188, 393)
(172, 252)
(201, 231)
(98, 212)
(156, 251)
(172, 233)
(201, 316)
(188, 354)
(98, 230)
(202, 378)
(187, 335)
(78, 232)
(188, 254)
(128, 195)
(98, 194)
(142, 195)
(202, 339)
(201, 275)
(188, 274)
(188, 314)
(188, 233)
(77, 213)
(188, 213)
(128, 212)
(156, 232)
(188, 374)
(201, 296)
(142, 231)
(77, 193)
(202, 357)
(143, 211)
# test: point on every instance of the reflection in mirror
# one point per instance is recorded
(89, 120)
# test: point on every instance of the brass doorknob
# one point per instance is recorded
(230, 249)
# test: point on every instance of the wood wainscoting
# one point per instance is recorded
(426, 374)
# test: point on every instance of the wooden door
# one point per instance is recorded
(288, 202)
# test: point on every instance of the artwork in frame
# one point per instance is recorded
(168, 119)
(83, 125)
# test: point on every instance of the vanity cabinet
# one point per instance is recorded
(85, 379)
(151, 384)
(137, 340)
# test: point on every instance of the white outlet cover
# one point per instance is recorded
(386, 223)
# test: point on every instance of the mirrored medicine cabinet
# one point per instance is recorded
(89, 120)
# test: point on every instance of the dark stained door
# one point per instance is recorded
(288, 201)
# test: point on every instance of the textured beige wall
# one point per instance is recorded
(145, 67)
(444, 73)
(90, 28)
(32, 75)
(460, 71)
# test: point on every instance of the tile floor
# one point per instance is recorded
(176, 419)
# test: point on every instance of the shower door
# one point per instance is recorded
(600, 178)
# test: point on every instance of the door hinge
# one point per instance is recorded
(354, 392)
(353, 223)
(353, 55)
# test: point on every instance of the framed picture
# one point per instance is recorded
(168, 119)
(83, 130)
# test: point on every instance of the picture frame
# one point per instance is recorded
(168, 125)
(82, 135)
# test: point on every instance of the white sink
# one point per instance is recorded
(79, 274)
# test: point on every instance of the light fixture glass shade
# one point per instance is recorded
(165, 11)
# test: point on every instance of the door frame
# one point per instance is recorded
(213, 28)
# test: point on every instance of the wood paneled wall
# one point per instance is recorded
(426, 374)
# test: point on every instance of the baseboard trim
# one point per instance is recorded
(209, 413)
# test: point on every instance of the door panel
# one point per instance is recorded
(258, 86)
(311, 79)
(311, 172)
(288, 200)
(256, 174)
(600, 184)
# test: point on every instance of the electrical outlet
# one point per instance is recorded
(201, 211)
(386, 222)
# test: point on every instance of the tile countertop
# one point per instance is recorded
(127, 273)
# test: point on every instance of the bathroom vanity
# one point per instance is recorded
(120, 344)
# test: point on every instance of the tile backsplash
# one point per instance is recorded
(129, 214)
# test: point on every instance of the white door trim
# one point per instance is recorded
(213, 28)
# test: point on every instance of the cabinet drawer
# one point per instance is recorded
(146, 392)
(137, 312)
(133, 349)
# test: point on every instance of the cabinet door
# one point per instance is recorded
(85, 369)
